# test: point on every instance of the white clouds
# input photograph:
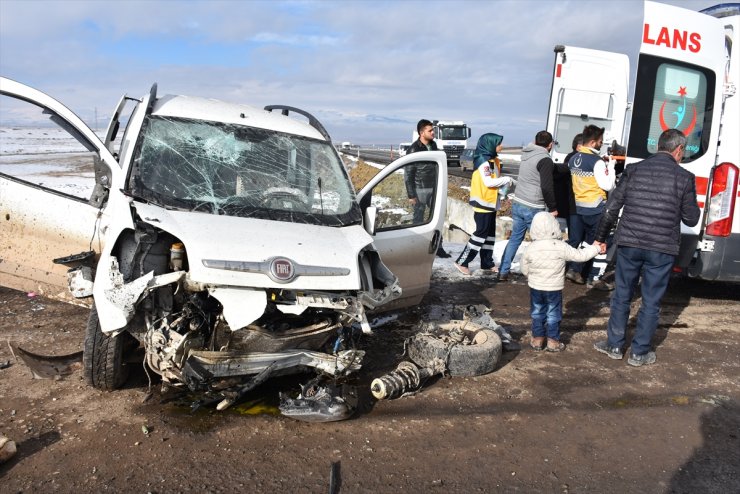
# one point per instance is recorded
(297, 40)
(368, 69)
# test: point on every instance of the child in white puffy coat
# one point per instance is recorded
(544, 265)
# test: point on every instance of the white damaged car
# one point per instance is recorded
(227, 241)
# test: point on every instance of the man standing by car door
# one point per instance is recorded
(421, 179)
(534, 193)
(657, 195)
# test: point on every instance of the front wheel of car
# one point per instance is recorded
(102, 358)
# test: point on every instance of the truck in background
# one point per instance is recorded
(451, 137)
(403, 147)
(686, 78)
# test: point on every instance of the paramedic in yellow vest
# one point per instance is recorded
(487, 187)
(592, 178)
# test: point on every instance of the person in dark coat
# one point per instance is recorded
(655, 196)
(563, 186)
(421, 179)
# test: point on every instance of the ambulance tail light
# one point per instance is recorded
(722, 200)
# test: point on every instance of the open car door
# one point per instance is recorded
(588, 87)
(407, 235)
(51, 198)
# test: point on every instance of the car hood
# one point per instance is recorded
(249, 252)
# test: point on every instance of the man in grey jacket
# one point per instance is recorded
(655, 196)
(534, 193)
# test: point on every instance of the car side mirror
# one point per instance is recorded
(371, 213)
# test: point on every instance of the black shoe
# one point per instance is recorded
(638, 360)
(612, 352)
(575, 277)
(502, 277)
(443, 253)
(600, 285)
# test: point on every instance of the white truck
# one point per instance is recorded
(451, 137)
(686, 78)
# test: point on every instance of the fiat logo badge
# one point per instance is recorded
(282, 269)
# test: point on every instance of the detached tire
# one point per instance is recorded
(102, 357)
(476, 359)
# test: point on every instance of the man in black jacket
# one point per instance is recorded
(421, 179)
(657, 195)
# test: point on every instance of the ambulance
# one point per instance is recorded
(686, 78)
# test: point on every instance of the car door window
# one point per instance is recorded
(406, 197)
(35, 150)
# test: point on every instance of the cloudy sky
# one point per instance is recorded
(367, 70)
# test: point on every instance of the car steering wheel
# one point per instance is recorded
(285, 199)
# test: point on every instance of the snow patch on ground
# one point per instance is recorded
(444, 267)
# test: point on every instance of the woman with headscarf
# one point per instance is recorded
(485, 197)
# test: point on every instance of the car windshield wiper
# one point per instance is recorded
(208, 207)
(139, 198)
(135, 197)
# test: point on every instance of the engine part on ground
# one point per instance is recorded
(49, 366)
(203, 366)
(481, 315)
(465, 348)
(320, 403)
(406, 379)
(243, 390)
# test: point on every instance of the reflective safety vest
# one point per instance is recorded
(485, 199)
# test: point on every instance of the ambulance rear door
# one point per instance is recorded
(588, 87)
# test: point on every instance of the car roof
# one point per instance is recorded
(239, 114)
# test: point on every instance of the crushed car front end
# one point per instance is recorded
(243, 254)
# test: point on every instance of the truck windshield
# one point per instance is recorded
(243, 171)
(452, 133)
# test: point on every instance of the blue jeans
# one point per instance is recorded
(546, 307)
(655, 268)
(583, 229)
(522, 218)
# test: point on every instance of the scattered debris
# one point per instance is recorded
(715, 400)
(335, 480)
(7, 449)
(481, 315)
(49, 366)
(459, 347)
(320, 403)
(478, 314)
(465, 348)
(405, 380)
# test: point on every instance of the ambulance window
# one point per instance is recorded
(671, 95)
(576, 109)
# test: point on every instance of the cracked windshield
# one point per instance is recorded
(242, 171)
